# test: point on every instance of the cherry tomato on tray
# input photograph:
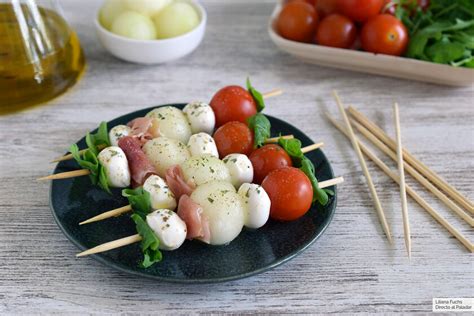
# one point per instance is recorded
(336, 30)
(384, 34)
(266, 159)
(233, 103)
(297, 21)
(359, 10)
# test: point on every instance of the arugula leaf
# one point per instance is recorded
(90, 162)
(101, 137)
(139, 199)
(257, 96)
(149, 244)
(261, 126)
(445, 52)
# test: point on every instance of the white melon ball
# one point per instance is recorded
(147, 7)
(109, 11)
(134, 25)
(176, 19)
(164, 152)
(205, 168)
(172, 123)
(223, 209)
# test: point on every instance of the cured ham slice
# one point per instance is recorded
(175, 179)
(196, 222)
(142, 129)
(140, 167)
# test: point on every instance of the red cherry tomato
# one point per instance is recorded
(233, 137)
(233, 103)
(336, 30)
(384, 34)
(297, 21)
(360, 10)
(266, 159)
(312, 2)
(326, 7)
(290, 193)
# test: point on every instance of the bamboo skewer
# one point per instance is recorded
(66, 175)
(355, 145)
(456, 233)
(330, 183)
(312, 147)
(415, 174)
(273, 140)
(401, 175)
(272, 93)
(417, 164)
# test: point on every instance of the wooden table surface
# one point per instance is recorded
(350, 269)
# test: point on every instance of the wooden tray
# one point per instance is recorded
(378, 64)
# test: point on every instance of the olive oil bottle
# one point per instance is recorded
(40, 55)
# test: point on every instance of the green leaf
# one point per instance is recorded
(257, 96)
(319, 195)
(101, 137)
(445, 52)
(139, 199)
(90, 162)
(150, 243)
(260, 125)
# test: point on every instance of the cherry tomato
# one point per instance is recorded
(233, 103)
(266, 159)
(312, 2)
(290, 193)
(360, 10)
(336, 30)
(326, 7)
(384, 34)
(297, 21)
(233, 137)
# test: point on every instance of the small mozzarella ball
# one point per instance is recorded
(115, 163)
(164, 152)
(118, 132)
(256, 205)
(205, 168)
(176, 19)
(147, 7)
(134, 25)
(109, 11)
(201, 144)
(160, 194)
(201, 117)
(240, 168)
(172, 123)
(168, 227)
(223, 208)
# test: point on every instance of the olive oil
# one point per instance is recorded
(40, 56)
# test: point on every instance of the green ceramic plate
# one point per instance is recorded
(252, 252)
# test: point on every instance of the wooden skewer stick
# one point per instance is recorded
(111, 245)
(415, 174)
(312, 147)
(331, 182)
(401, 175)
(417, 164)
(69, 156)
(112, 213)
(272, 93)
(66, 175)
(273, 140)
(456, 233)
(355, 144)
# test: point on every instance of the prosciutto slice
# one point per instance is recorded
(175, 180)
(196, 222)
(140, 167)
(141, 129)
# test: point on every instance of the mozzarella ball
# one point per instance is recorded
(147, 7)
(115, 163)
(200, 116)
(172, 123)
(134, 25)
(256, 205)
(201, 144)
(223, 208)
(160, 194)
(240, 168)
(109, 11)
(168, 227)
(118, 132)
(205, 168)
(164, 152)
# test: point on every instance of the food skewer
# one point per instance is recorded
(355, 145)
(136, 238)
(440, 219)
(401, 175)
(415, 174)
(417, 164)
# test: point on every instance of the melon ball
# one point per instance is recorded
(147, 7)
(109, 11)
(176, 19)
(134, 25)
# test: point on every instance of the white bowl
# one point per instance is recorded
(153, 51)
